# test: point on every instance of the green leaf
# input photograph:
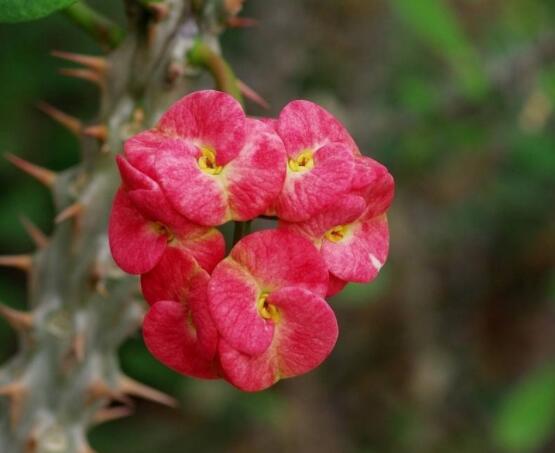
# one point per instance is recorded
(24, 10)
(527, 415)
(435, 23)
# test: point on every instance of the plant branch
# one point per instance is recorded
(103, 30)
(202, 55)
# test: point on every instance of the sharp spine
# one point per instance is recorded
(68, 121)
(41, 174)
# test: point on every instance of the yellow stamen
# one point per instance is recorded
(303, 162)
(207, 162)
(267, 310)
(336, 233)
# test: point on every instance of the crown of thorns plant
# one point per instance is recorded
(258, 314)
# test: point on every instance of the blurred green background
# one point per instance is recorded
(452, 348)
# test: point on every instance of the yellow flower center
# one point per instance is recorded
(163, 230)
(303, 162)
(265, 309)
(207, 162)
(336, 233)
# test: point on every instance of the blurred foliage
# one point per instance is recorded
(452, 348)
(18, 10)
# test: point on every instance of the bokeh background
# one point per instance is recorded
(452, 348)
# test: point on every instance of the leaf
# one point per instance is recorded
(434, 22)
(25, 10)
(527, 415)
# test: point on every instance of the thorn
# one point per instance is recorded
(134, 388)
(41, 174)
(73, 210)
(99, 389)
(19, 320)
(109, 414)
(38, 237)
(241, 22)
(98, 64)
(84, 74)
(16, 392)
(249, 93)
(98, 131)
(68, 121)
(22, 262)
(159, 11)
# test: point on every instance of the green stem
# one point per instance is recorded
(103, 30)
(204, 56)
(241, 230)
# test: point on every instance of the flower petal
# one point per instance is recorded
(178, 277)
(170, 338)
(209, 118)
(372, 181)
(304, 337)
(277, 259)
(135, 244)
(306, 193)
(206, 245)
(232, 296)
(198, 196)
(361, 254)
(255, 178)
(305, 125)
(336, 286)
(142, 149)
(344, 211)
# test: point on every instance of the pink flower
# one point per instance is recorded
(266, 300)
(320, 156)
(352, 234)
(178, 329)
(143, 225)
(212, 162)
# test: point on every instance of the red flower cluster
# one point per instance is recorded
(258, 314)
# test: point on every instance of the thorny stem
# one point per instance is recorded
(202, 55)
(95, 24)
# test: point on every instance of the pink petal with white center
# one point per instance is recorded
(232, 296)
(197, 195)
(304, 336)
(178, 277)
(170, 338)
(255, 178)
(336, 286)
(208, 118)
(135, 243)
(360, 255)
(307, 192)
(372, 181)
(345, 210)
(276, 259)
(305, 125)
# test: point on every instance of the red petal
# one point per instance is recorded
(277, 259)
(136, 246)
(198, 196)
(306, 193)
(170, 338)
(336, 286)
(361, 254)
(255, 177)
(305, 125)
(209, 118)
(232, 295)
(304, 337)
